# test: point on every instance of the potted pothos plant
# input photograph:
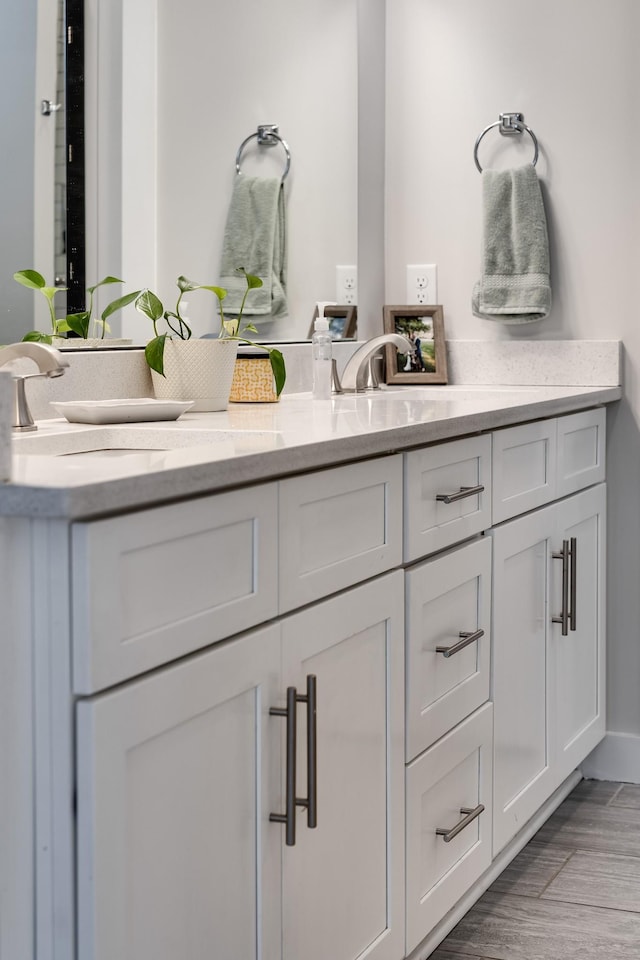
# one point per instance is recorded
(173, 353)
(79, 323)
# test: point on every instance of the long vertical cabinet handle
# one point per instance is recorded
(289, 816)
(312, 752)
(311, 800)
(573, 550)
(564, 613)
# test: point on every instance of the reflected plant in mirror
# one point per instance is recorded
(78, 323)
(150, 305)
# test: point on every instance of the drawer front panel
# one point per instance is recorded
(153, 586)
(446, 597)
(581, 450)
(524, 468)
(450, 778)
(337, 528)
(430, 524)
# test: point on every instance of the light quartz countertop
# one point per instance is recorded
(151, 463)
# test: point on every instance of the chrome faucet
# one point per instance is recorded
(355, 375)
(50, 363)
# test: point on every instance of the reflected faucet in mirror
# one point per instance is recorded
(356, 374)
(50, 363)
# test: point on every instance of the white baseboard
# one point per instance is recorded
(617, 757)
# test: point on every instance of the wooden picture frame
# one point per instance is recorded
(343, 321)
(430, 365)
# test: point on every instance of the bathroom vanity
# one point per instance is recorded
(404, 593)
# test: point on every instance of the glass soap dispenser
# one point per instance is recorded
(321, 351)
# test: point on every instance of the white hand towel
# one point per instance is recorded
(255, 238)
(514, 286)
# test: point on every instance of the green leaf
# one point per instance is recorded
(103, 326)
(103, 282)
(154, 353)
(230, 327)
(36, 337)
(278, 368)
(62, 326)
(183, 330)
(31, 279)
(184, 284)
(252, 281)
(50, 292)
(79, 323)
(250, 327)
(220, 292)
(148, 304)
(123, 302)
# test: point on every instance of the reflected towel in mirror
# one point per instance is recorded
(255, 238)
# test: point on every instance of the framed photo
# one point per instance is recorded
(342, 321)
(424, 327)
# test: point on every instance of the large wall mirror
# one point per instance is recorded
(170, 92)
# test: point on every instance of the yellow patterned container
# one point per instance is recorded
(253, 381)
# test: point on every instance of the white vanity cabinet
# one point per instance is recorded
(548, 634)
(180, 772)
(456, 664)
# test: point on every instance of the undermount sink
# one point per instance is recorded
(114, 441)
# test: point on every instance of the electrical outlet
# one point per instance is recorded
(422, 284)
(347, 285)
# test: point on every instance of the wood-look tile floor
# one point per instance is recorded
(573, 893)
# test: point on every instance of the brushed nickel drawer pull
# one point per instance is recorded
(289, 816)
(465, 639)
(564, 613)
(573, 553)
(311, 800)
(462, 494)
(471, 814)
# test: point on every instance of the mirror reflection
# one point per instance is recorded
(188, 85)
(165, 118)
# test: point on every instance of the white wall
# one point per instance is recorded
(572, 67)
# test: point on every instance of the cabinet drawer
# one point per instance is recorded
(452, 776)
(581, 450)
(524, 468)
(447, 597)
(444, 471)
(337, 528)
(152, 586)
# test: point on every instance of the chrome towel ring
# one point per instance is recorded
(510, 124)
(267, 136)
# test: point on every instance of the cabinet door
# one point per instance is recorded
(448, 822)
(176, 857)
(343, 881)
(447, 597)
(523, 712)
(447, 494)
(338, 528)
(578, 658)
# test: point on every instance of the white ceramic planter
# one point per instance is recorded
(198, 370)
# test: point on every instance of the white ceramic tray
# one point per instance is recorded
(142, 409)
